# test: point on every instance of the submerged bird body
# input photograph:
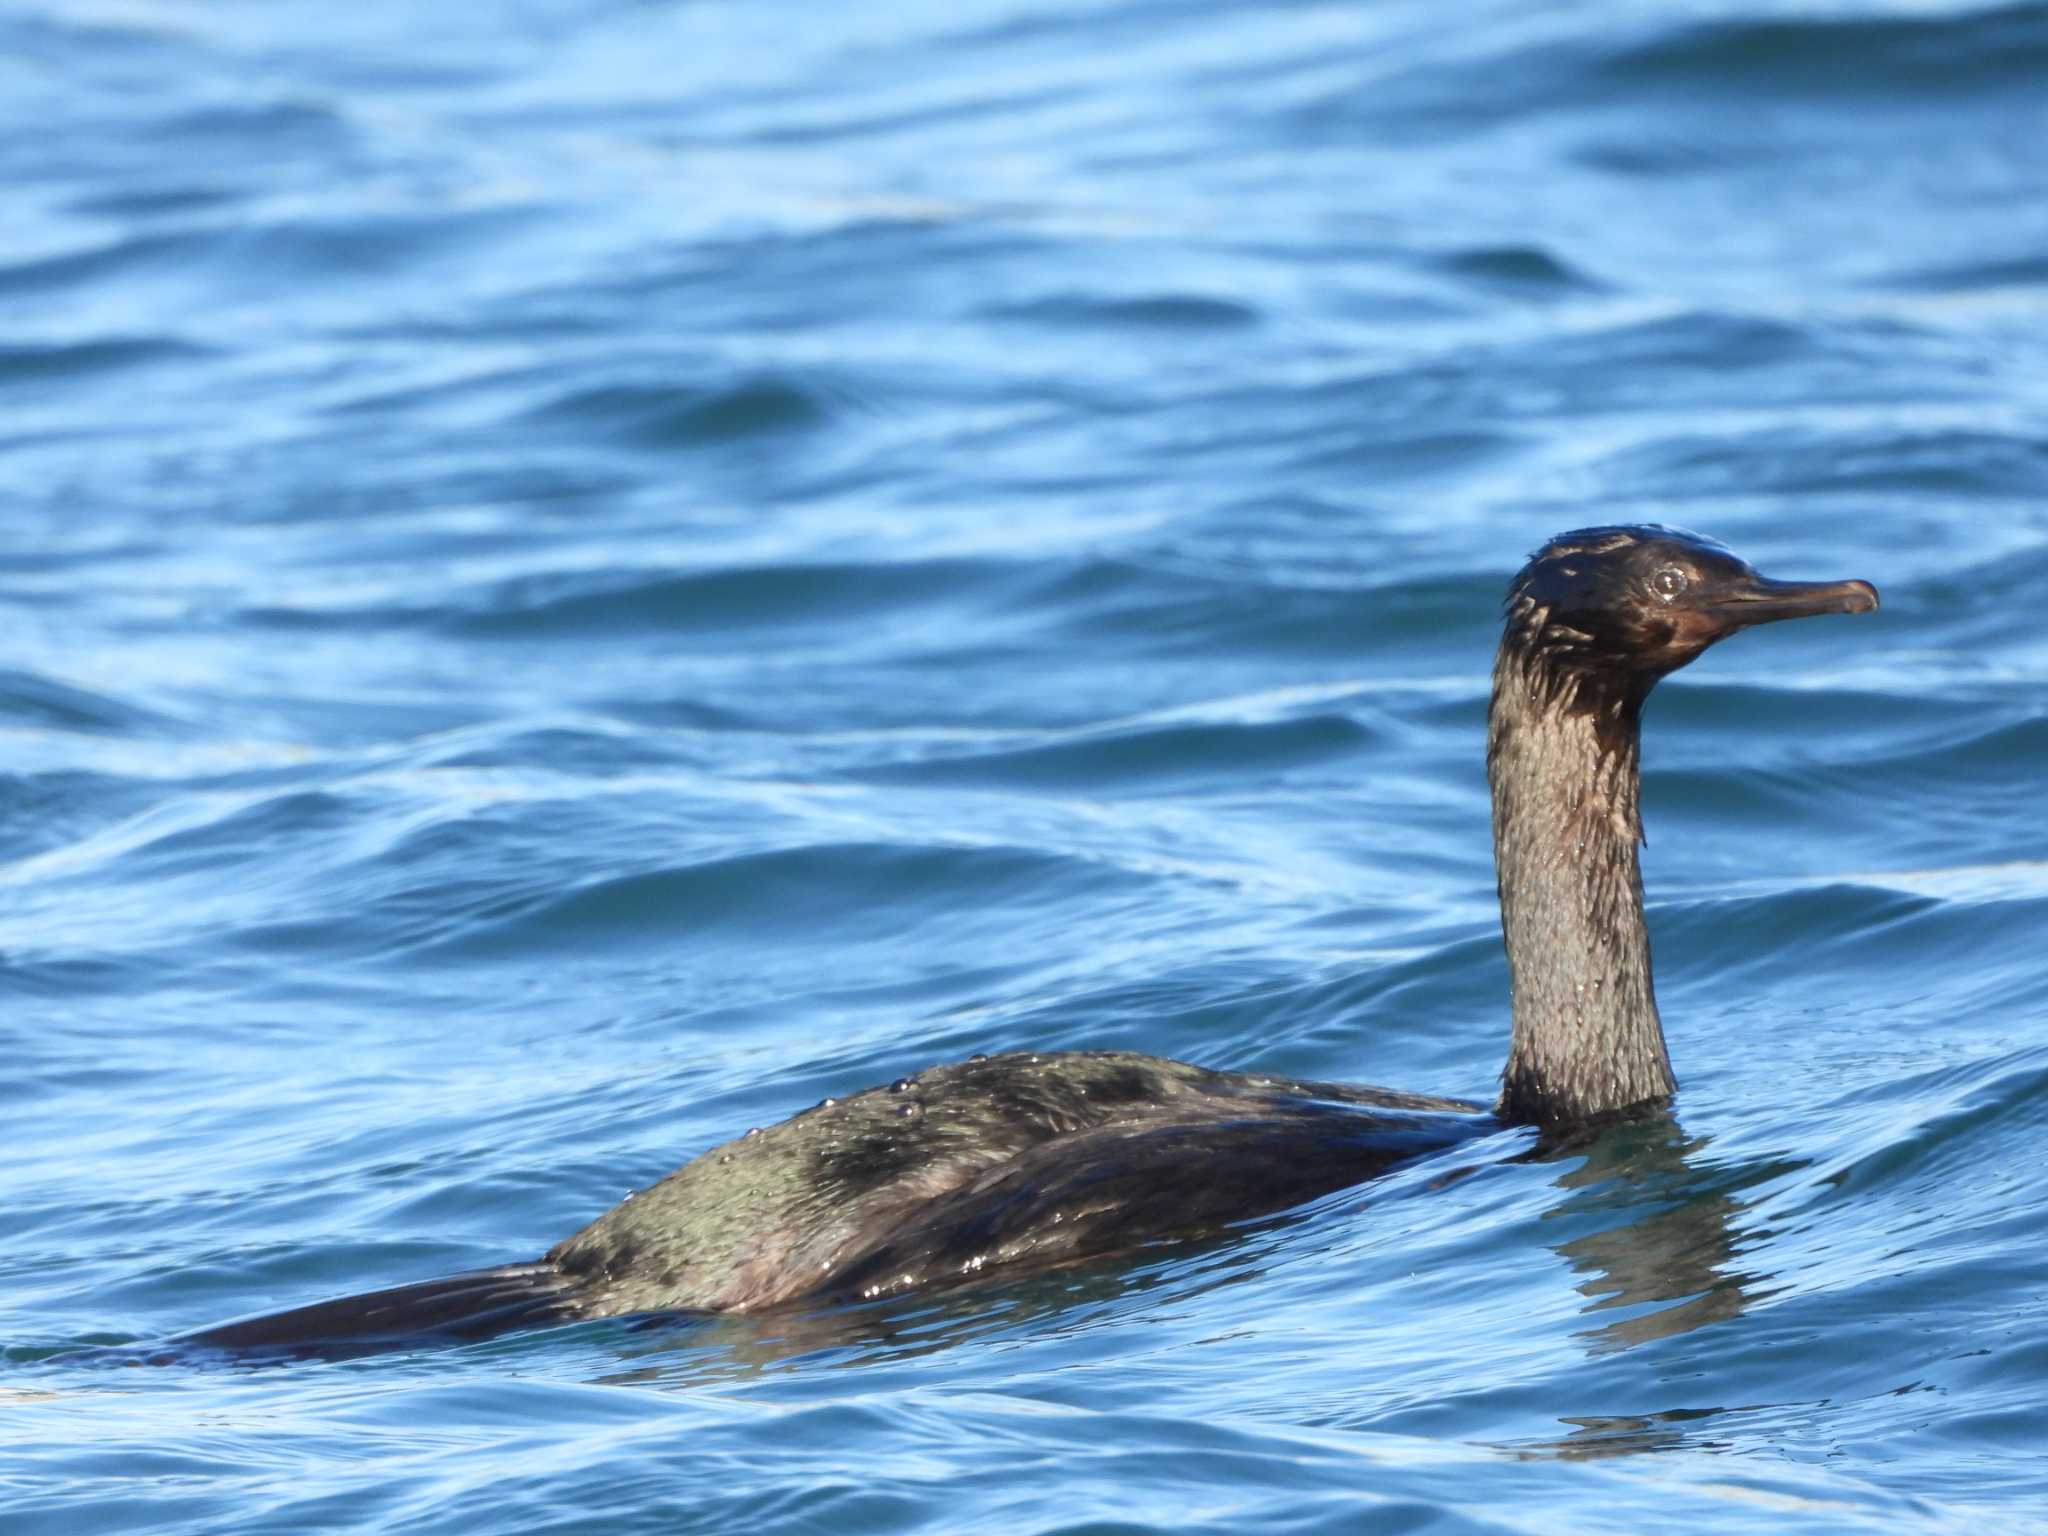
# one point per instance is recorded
(982, 1165)
(1014, 1161)
(999, 1163)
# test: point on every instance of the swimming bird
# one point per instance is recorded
(1005, 1162)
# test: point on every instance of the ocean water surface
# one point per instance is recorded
(582, 574)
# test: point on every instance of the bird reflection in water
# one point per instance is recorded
(1656, 1262)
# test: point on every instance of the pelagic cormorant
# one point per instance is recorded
(1031, 1160)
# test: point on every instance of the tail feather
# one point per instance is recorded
(477, 1305)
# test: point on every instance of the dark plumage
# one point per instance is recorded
(1030, 1160)
(1594, 620)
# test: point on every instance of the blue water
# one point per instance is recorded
(582, 574)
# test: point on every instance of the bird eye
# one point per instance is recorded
(1669, 582)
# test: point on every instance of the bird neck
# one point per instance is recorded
(1562, 749)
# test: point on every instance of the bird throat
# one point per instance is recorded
(1562, 754)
